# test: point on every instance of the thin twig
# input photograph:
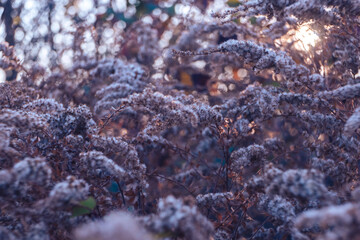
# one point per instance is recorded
(173, 181)
(121, 192)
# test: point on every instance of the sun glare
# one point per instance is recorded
(306, 38)
(2, 76)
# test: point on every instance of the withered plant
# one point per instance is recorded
(194, 120)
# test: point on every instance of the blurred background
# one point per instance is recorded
(50, 32)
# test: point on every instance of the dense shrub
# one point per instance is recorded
(239, 124)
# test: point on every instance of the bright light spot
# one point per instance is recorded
(322, 70)
(176, 21)
(19, 35)
(182, 9)
(43, 29)
(199, 64)
(123, 132)
(157, 76)
(232, 87)
(85, 6)
(358, 74)
(130, 11)
(222, 87)
(156, 12)
(108, 33)
(71, 10)
(119, 5)
(120, 25)
(322, 137)
(44, 57)
(158, 62)
(29, 4)
(2, 76)
(101, 10)
(55, 27)
(305, 37)
(102, 49)
(164, 17)
(165, 39)
(66, 59)
(147, 19)
(242, 73)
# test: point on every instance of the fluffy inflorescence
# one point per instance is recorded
(126, 78)
(28, 171)
(174, 217)
(248, 130)
(324, 10)
(244, 157)
(65, 192)
(116, 225)
(353, 123)
(52, 158)
(213, 198)
(338, 222)
(95, 162)
(262, 58)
